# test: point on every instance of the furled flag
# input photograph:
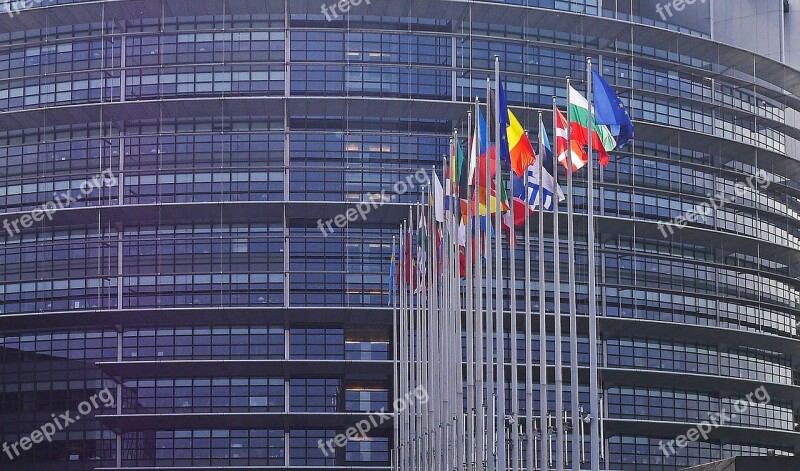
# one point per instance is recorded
(409, 265)
(610, 110)
(422, 249)
(392, 275)
(602, 140)
(479, 144)
(437, 198)
(505, 154)
(577, 155)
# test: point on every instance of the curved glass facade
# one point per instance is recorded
(191, 152)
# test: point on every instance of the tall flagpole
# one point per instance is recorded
(412, 342)
(399, 385)
(395, 353)
(594, 406)
(419, 430)
(557, 330)
(469, 442)
(529, 435)
(456, 377)
(543, 381)
(490, 394)
(512, 250)
(480, 399)
(573, 313)
(460, 299)
(430, 327)
(435, 319)
(500, 381)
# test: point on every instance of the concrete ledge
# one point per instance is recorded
(751, 463)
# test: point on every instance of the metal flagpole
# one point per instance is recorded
(430, 325)
(529, 437)
(469, 442)
(450, 311)
(593, 379)
(500, 381)
(407, 345)
(435, 333)
(456, 311)
(543, 381)
(573, 313)
(557, 329)
(395, 352)
(489, 396)
(455, 414)
(480, 409)
(437, 319)
(424, 334)
(418, 437)
(413, 343)
(398, 385)
(512, 250)
(446, 313)
(439, 364)
(409, 302)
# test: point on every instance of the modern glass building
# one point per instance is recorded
(192, 280)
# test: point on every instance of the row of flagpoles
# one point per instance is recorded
(448, 293)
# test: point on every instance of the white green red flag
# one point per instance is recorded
(602, 140)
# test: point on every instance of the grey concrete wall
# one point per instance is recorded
(752, 463)
(792, 22)
(754, 25)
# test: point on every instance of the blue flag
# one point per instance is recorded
(610, 111)
(547, 161)
(505, 152)
(527, 188)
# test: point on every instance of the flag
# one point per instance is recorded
(392, 275)
(527, 189)
(437, 198)
(522, 153)
(409, 265)
(481, 181)
(610, 110)
(508, 224)
(577, 154)
(547, 158)
(478, 203)
(422, 249)
(479, 144)
(453, 176)
(602, 139)
(505, 152)
(462, 248)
